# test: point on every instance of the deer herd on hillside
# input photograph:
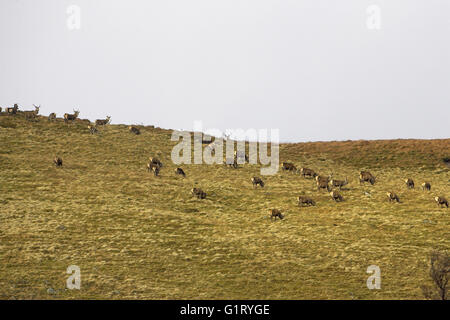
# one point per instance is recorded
(322, 182)
(68, 118)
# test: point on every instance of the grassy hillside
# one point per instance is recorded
(137, 236)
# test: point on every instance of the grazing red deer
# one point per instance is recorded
(32, 114)
(101, 122)
(58, 161)
(156, 170)
(323, 184)
(366, 176)
(134, 130)
(303, 200)
(199, 193)
(275, 213)
(392, 196)
(92, 129)
(339, 183)
(180, 172)
(51, 116)
(12, 110)
(256, 181)
(426, 186)
(308, 173)
(156, 161)
(155, 167)
(409, 183)
(322, 180)
(71, 117)
(336, 196)
(441, 201)
(287, 166)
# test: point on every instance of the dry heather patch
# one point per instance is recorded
(137, 236)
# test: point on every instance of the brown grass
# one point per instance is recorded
(138, 236)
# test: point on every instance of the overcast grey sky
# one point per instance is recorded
(311, 68)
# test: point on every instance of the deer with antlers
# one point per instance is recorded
(32, 114)
(103, 122)
(71, 117)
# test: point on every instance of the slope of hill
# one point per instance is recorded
(134, 235)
